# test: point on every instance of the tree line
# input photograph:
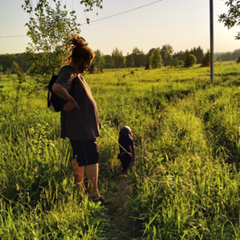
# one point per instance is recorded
(228, 56)
(155, 58)
(50, 25)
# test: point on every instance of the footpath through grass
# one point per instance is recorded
(120, 215)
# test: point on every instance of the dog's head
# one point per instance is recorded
(126, 132)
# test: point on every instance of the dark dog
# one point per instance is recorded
(126, 147)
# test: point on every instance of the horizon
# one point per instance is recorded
(131, 52)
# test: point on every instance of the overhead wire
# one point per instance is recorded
(117, 14)
(13, 36)
(100, 19)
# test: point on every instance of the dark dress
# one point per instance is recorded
(78, 124)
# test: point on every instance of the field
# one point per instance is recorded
(185, 183)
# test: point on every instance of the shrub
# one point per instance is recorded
(190, 60)
(180, 63)
(206, 60)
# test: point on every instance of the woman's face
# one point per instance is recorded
(84, 65)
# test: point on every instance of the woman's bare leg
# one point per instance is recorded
(92, 176)
(79, 175)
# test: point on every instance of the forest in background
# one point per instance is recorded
(166, 55)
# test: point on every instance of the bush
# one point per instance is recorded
(190, 60)
(180, 63)
(206, 60)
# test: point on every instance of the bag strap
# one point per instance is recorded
(66, 66)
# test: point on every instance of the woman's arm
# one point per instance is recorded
(60, 91)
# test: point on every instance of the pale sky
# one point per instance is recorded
(184, 24)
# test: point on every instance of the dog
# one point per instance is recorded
(126, 147)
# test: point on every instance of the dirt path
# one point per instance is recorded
(119, 214)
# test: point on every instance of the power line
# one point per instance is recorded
(117, 14)
(100, 19)
(14, 36)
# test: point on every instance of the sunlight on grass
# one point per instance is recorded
(186, 179)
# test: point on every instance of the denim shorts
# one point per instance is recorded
(85, 152)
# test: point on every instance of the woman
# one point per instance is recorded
(79, 117)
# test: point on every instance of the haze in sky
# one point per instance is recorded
(125, 24)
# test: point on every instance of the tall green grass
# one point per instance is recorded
(187, 138)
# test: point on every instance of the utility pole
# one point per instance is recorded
(211, 42)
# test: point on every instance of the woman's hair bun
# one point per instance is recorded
(77, 48)
(75, 41)
(78, 41)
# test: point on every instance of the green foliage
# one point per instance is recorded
(190, 60)
(18, 87)
(89, 4)
(49, 27)
(98, 62)
(155, 59)
(7, 72)
(16, 68)
(180, 63)
(129, 61)
(118, 59)
(166, 54)
(6, 61)
(138, 58)
(198, 53)
(206, 60)
(228, 56)
(108, 61)
(232, 17)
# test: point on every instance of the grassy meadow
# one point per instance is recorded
(186, 180)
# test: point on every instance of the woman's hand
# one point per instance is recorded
(70, 105)
(60, 91)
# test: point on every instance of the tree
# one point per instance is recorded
(98, 62)
(129, 61)
(49, 26)
(118, 59)
(190, 60)
(48, 29)
(166, 53)
(227, 56)
(232, 17)
(148, 58)
(89, 4)
(206, 60)
(139, 58)
(16, 68)
(236, 54)
(108, 61)
(7, 72)
(198, 53)
(181, 55)
(6, 60)
(155, 59)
